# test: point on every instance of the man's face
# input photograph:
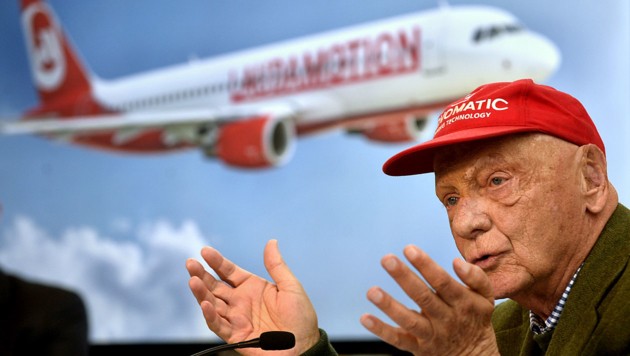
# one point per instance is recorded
(513, 206)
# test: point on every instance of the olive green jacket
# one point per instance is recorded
(596, 317)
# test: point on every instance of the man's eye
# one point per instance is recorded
(451, 201)
(497, 180)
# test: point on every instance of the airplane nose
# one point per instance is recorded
(547, 58)
(539, 58)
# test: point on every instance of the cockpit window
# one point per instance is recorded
(487, 33)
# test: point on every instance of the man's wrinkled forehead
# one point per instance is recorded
(459, 154)
(524, 144)
(452, 156)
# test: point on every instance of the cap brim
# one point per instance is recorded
(419, 159)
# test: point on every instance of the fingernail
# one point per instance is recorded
(390, 263)
(367, 322)
(411, 252)
(465, 267)
(376, 296)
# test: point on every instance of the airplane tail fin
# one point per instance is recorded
(58, 74)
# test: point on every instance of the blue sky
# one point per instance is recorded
(118, 228)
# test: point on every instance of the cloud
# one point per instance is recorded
(135, 289)
(121, 225)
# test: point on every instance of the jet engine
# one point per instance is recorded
(399, 129)
(256, 142)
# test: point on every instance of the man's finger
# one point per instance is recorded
(196, 269)
(218, 324)
(414, 286)
(449, 290)
(392, 335)
(410, 320)
(474, 277)
(277, 268)
(200, 291)
(218, 288)
(213, 309)
(227, 270)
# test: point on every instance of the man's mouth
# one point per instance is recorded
(486, 261)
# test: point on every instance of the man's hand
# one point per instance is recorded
(453, 319)
(242, 305)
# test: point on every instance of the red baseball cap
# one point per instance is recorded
(500, 109)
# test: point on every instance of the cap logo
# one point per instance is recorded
(498, 110)
(467, 110)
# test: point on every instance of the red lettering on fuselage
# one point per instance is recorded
(388, 53)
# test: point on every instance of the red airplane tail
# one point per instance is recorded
(59, 76)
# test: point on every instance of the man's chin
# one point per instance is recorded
(502, 286)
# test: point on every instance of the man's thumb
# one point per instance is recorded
(277, 268)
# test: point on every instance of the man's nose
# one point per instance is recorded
(471, 219)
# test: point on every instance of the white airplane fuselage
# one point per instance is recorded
(380, 79)
(390, 64)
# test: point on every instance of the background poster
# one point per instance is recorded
(118, 228)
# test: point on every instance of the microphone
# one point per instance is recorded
(269, 340)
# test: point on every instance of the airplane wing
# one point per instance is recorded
(251, 137)
(248, 137)
(169, 119)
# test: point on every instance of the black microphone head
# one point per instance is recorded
(277, 340)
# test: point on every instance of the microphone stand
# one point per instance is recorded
(224, 347)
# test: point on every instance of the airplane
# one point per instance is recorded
(381, 80)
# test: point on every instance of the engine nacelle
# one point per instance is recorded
(400, 129)
(256, 143)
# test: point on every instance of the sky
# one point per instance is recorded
(118, 228)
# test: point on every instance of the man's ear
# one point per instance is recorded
(595, 186)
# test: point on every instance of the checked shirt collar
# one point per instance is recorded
(540, 326)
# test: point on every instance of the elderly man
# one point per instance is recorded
(521, 171)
